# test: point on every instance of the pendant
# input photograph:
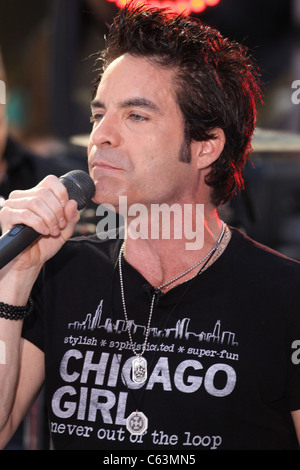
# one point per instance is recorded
(137, 423)
(139, 370)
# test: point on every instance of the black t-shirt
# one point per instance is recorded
(223, 351)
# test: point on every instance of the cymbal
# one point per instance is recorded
(268, 140)
(81, 140)
(264, 140)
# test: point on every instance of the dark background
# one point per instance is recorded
(47, 49)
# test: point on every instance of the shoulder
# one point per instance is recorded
(260, 253)
(261, 264)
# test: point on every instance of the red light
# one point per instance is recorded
(212, 3)
(198, 5)
(186, 6)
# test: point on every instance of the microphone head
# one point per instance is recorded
(80, 187)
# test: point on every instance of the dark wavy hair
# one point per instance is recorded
(216, 82)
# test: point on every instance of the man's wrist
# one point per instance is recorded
(16, 286)
(15, 312)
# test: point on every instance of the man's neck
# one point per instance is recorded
(160, 260)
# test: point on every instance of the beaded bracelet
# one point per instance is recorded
(13, 312)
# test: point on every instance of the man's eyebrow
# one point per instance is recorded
(137, 101)
(141, 103)
(97, 104)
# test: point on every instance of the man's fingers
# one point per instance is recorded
(23, 216)
(35, 212)
(41, 208)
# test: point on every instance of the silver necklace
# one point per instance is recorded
(137, 422)
(216, 246)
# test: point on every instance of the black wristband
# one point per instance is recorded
(13, 312)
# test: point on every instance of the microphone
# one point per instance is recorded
(80, 187)
(150, 290)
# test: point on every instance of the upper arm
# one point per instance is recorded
(296, 419)
(31, 378)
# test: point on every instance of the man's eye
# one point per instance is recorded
(138, 117)
(96, 117)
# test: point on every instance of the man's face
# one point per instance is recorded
(138, 136)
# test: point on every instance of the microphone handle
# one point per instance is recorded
(13, 242)
(79, 186)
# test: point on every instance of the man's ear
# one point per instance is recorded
(206, 152)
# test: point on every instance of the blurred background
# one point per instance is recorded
(46, 61)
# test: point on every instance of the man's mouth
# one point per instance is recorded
(102, 165)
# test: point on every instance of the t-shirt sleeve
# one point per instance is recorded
(33, 326)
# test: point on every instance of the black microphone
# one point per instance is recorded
(150, 290)
(80, 187)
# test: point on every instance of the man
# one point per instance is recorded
(147, 342)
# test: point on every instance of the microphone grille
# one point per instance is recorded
(80, 187)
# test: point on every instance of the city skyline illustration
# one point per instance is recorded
(181, 329)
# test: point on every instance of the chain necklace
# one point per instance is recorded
(137, 422)
(215, 248)
(216, 251)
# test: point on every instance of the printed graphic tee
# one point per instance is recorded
(223, 351)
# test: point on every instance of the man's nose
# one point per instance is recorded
(106, 132)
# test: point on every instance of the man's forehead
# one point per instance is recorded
(139, 70)
(136, 81)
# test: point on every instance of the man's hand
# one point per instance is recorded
(47, 209)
